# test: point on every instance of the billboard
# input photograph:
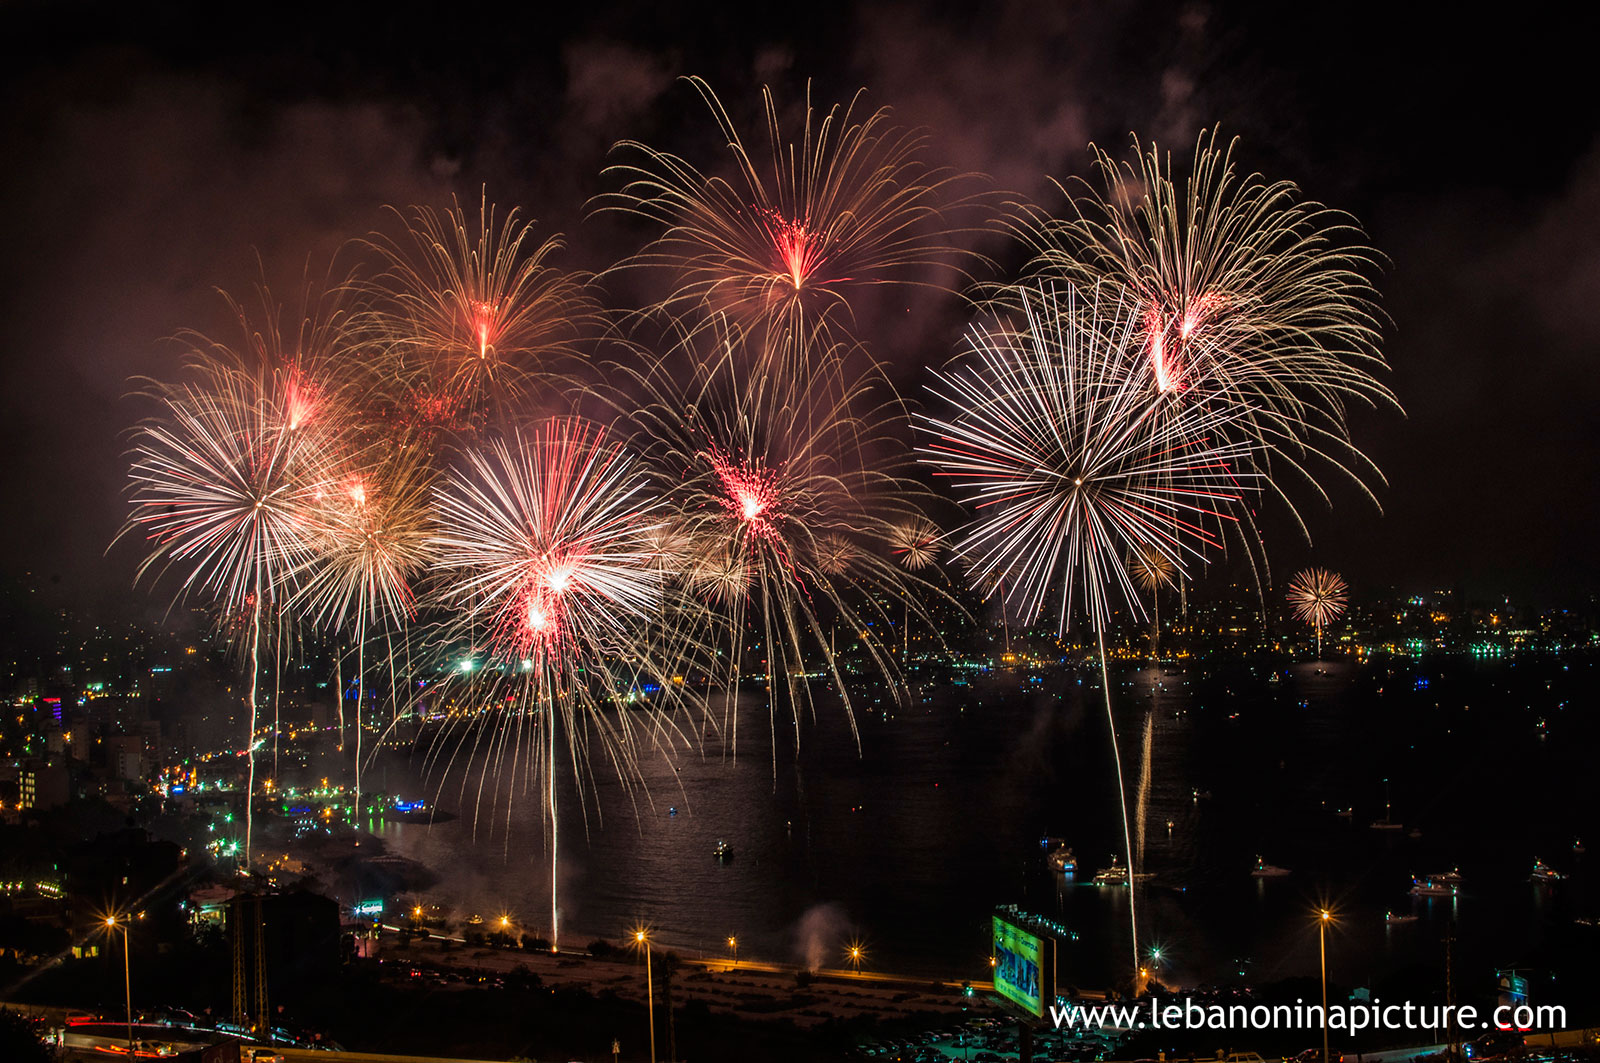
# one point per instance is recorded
(1023, 967)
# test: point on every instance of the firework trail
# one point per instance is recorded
(807, 217)
(470, 316)
(548, 548)
(1071, 468)
(1242, 291)
(787, 505)
(225, 474)
(1318, 597)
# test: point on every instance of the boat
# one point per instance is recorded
(1394, 918)
(1200, 795)
(1061, 859)
(1543, 872)
(723, 851)
(1448, 878)
(1577, 846)
(474, 919)
(1430, 887)
(1266, 870)
(1345, 813)
(1115, 875)
(1386, 823)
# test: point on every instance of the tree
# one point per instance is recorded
(20, 1039)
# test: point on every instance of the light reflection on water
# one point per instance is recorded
(938, 817)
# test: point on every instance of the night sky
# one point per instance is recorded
(153, 153)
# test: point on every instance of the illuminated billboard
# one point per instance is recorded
(1024, 967)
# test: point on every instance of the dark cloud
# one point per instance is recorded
(134, 205)
(1558, 262)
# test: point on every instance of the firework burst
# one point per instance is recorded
(227, 469)
(1241, 290)
(372, 531)
(472, 315)
(372, 535)
(549, 555)
(1318, 597)
(847, 202)
(1153, 570)
(774, 479)
(1071, 468)
(915, 543)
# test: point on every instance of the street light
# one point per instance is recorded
(642, 938)
(733, 947)
(855, 953)
(1324, 918)
(127, 982)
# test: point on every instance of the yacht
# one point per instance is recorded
(1431, 887)
(1115, 875)
(1386, 823)
(1061, 859)
(1543, 872)
(1266, 870)
(723, 851)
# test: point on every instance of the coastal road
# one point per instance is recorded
(764, 967)
(879, 977)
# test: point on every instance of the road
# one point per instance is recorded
(879, 977)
